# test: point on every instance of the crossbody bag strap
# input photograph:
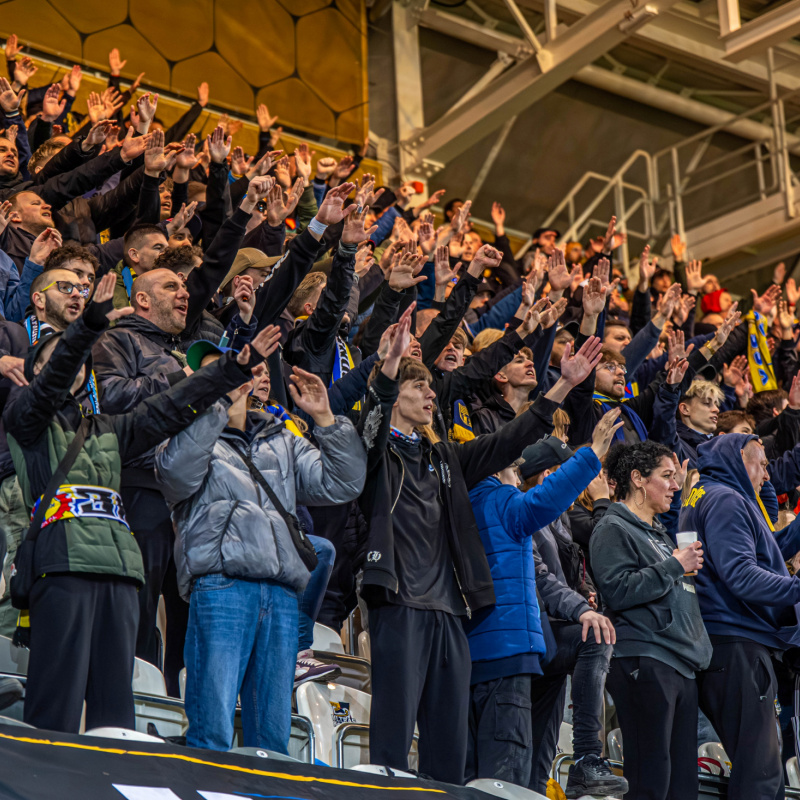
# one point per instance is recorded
(56, 479)
(262, 482)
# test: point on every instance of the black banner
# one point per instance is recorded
(39, 765)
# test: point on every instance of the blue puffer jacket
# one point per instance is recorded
(507, 518)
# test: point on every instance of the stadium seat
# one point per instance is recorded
(122, 733)
(502, 789)
(792, 773)
(565, 738)
(715, 752)
(260, 752)
(182, 683)
(364, 646)
(327, 639)
(13, 660)
(376, 769)
(147, 679)
(615, 745)
(337, 713)
(18, 723)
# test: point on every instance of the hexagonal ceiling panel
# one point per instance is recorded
(306, 58)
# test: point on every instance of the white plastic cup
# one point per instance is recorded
(686, 539)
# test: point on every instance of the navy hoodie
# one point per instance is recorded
(744, 587)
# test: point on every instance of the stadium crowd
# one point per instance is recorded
(264, 393)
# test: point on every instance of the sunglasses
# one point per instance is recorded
(65, 287)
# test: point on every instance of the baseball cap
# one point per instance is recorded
(200, 349)
(247, 258)
(546, 453)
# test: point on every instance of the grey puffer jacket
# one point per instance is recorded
(224, 522)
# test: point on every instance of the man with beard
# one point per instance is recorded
(138, 358)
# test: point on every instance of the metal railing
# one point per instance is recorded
(691, 182)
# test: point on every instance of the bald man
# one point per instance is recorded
(136, 359)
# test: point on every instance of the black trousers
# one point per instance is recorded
(657, 709)
(420, 674)
(150, 522)
(83, 632)
(500, 730)
(737, 693)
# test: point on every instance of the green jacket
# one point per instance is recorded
(40, 421)
(121, 297)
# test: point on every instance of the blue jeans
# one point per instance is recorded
(241, 641)
(310, 599)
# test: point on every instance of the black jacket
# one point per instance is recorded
(490, 414)
(13, 342)
(133, 361)
(458, 467)
(311, 344)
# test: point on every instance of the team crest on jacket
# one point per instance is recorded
(373, 556)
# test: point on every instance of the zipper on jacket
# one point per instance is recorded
(455, 571)
(402, 478)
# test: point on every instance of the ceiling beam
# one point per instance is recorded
(766, 30)
(530, 80)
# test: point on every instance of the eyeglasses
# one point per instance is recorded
(65, 287)
(612, 367)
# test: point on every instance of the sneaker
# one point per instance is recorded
(592, 775)
(309, 668)
(10, 691)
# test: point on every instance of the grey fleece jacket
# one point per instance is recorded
(224, 522)
(652, 605)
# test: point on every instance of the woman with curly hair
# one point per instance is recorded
(661, 640)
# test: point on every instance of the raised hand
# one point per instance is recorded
(398, 343)
(257, 190)
(155, 159)
(594, 297)
(764, 304)
(187, 160)
(694, 276)
(499, 218)
(73, 80)
(354, 231)
(441, 266)
(676, 369)
(405, 271)
(264, 345)
(44, 244)
(24, 70)
(218, 145)
(557, 273)
(302, 162)
(487, 257)
(724, 330)
(325, 168)
(239, 164)
(678, 248)
(13, 47)
(12, 131)
(9, 99)
(5, 215)
(576, 368)
(112, 102)
(460, 219)
(344, 168)
(676, 346)
(779, 273)
(552, 312)
(432, 200)
(132, 147)
(608, 238)
(734, 373)
(115, 63)
(792, 293)
(245, 296)
(95, 108)
(647, 269)
(265, 119)
(332, 209)
(182, 218)
(666, 304)
(785, 320)
(604, 432)
(794, 394)
(103, 295)
(310, 395)
(364, 260)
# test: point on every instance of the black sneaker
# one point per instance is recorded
(592, 775)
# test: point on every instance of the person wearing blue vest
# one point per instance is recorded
(750, 606)
(508, 640)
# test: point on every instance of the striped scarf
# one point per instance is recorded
(758, 357)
